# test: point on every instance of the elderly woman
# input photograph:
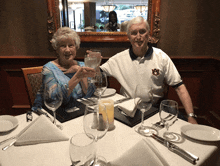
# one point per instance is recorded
(70, 74)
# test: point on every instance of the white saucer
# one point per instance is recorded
(107, 92)
(201, 132)
(7, 123)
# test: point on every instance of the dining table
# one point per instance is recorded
(112, 146)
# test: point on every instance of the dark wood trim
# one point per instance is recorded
(21, 106)
(53, 57)
(103, 37)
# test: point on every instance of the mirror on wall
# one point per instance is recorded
(124, 11)
(89, 19)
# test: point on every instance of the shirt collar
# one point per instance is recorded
(148, 53)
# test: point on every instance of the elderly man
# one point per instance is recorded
(144, 64)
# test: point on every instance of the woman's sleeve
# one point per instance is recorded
(90, 91)
(50, 79)
(38, 102)
(47, 77)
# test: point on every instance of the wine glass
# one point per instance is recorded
(82, 150)
(93, 60)
(95, 124)
(101, 83)
(143, 99)
(168, 115)
(53, 99)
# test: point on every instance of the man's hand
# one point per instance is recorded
(192, 120)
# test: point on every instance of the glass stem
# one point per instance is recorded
(166, 138)
(54, 115)
(96, 158)
(167, 127)
(142, 118)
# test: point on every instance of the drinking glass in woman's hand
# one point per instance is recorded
(93, 60)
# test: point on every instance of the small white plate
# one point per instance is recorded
(7, 123)
(201, 132)
(107, 92)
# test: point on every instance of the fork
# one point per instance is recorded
(158, 125)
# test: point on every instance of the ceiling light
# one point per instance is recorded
(141, 8)
(108, 6)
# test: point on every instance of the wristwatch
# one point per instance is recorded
(192, 115)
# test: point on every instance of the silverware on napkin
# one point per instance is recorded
(173, 148)
(6, 147)
(121, 100)
(6, 140)
(40, 112)
(15, 137)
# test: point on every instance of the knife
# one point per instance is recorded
(8, 139)
(121, 100)
(173, 148)
(6, 147)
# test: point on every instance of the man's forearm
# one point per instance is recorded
(186, 101)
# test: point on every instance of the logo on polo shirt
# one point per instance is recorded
(155, 72)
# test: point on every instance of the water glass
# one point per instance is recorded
(82, 150)
(168, 114)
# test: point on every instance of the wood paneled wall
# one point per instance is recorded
(190, 28)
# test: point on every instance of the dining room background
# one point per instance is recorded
(189, 34)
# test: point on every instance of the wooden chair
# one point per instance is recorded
(33, 80)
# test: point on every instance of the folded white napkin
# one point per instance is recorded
(141, 154)
(129, 106)
(41, 130)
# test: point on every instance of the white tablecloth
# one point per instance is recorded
(111, 146)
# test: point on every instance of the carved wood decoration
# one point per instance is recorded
(53, 18)
(154, 20)
(53, 22)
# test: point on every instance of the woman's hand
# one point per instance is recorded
(73, 69)
(83, 72)
(98, 55)
(81, 76)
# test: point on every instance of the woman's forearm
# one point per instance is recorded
(84, 84)
(72, 84)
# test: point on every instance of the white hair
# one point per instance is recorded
(63, 33)
(137, 20)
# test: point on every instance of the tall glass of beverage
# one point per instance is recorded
(109, 104)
